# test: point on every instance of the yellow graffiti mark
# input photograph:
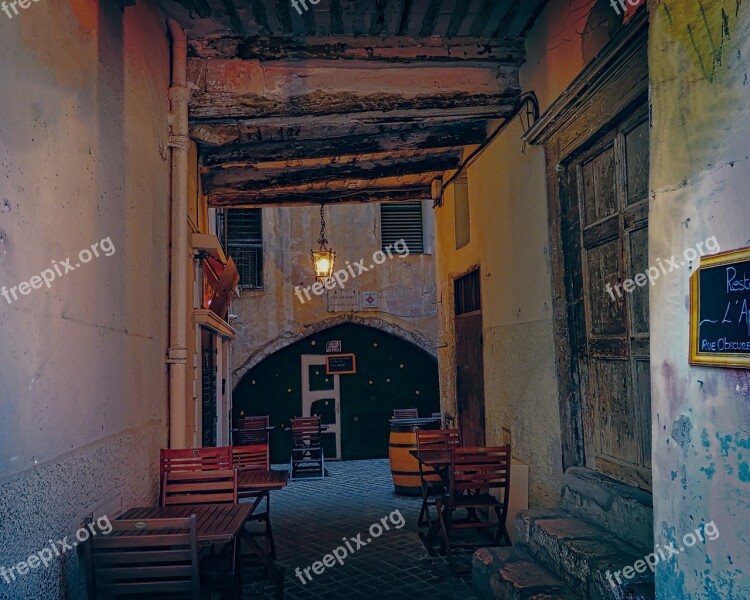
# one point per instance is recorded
(702, 27)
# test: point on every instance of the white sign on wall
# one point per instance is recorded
(333, 346)
(369, 300)
(342, 301)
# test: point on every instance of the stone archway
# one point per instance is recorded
(288, 338)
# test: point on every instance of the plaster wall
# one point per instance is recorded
(700, 181)
(509, 241)
(270, 319)
(83, 387)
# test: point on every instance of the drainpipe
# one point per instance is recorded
(179, 143)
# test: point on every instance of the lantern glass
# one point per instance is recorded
(323, 263)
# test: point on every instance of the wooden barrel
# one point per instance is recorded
(404, 467)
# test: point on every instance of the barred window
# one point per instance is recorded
(244, 243)
(402, 220)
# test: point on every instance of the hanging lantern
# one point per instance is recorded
(323, 258)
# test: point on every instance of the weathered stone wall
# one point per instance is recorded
(699, 181)
(83, 388)
(270, 319)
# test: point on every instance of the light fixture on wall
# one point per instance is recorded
(323, 258)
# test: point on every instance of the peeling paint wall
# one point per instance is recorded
(83, 388)
(700, 183)
(273, 318)
(509, 240)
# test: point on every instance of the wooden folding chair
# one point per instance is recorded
(194, 459)
(405, 413)
(474, 473)
(307, 448)
(199, 487)
(252, 430)
(256, 458)
(432, 483)
(161, 561)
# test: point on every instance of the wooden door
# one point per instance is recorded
(321, 396)
(607, 204)
(469, 359)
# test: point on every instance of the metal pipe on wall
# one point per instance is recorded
(179, 142)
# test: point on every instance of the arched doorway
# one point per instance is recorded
(391, 373)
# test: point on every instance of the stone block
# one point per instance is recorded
(622, 510)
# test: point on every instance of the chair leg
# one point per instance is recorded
(501, 536)
(423, 512)
(446, 515)
(271, 544)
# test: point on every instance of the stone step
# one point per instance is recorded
(624, 511)
(509, 573)
(585, 557)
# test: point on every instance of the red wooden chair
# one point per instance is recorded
(160, 562)
(199, 487)
(432, 483)
(194, 459)
(405, 413)
(307, 448)
(474, 473)
(252, 430)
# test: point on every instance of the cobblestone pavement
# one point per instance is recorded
(311, 518)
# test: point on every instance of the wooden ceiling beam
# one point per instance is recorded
(398, 139)
(255, 177)
(339, 47)
(312, 197)
(251, 89)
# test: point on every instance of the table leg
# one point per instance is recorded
(276, 572)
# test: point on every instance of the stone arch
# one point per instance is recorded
(288, 338)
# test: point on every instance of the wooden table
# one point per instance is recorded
(440, 461)
(262, 481)
(258, 485)
(215, 523)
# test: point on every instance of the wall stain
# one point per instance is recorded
(681, 429)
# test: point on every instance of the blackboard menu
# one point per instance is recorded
(341, 364)
(720, 310)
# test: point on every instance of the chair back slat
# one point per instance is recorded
(199, 487)
(251, 458)
(252, 430)
(162, 559)
(194, 459)
(438, 439)
(405, 413)
(480, 468)
(306, 432)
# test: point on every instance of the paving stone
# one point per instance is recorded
(311, 517)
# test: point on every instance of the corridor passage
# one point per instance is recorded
(311, 518)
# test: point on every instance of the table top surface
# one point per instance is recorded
(214, 522)
(416, 421)
(432, 458)
(262, 480)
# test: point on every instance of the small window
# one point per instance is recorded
(244, 243)
(402, 220)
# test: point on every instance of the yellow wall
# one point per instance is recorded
(509, 240)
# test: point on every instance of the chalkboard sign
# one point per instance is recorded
(341, 364)
(720, 310)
